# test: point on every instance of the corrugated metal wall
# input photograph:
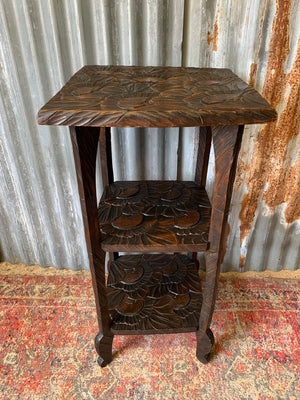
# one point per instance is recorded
(43, 42)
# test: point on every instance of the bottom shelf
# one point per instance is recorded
(154, 293)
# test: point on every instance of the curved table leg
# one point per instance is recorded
(204, 345)
(103, 345)
(227, 142)
(85, 145)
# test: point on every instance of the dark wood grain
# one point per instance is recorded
(106, 157)
(227, 142)
(204, 144)
(154, 216)
(107, 172)
(126, 96)
(85, 144)
(154, 294)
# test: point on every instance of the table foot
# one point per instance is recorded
(103, 346)
(204, 345)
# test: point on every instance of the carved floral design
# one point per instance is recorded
(155, 96)
(143, 213)
(153, 292)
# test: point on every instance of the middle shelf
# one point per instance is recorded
(150, 216)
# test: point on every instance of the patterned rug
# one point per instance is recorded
(48, 324)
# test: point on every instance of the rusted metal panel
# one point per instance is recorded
(272, 170)
(259, 40)
(43, 43)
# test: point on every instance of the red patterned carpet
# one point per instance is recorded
(48, 324)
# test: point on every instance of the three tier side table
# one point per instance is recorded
(156, 290)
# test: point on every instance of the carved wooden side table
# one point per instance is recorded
(155, 293)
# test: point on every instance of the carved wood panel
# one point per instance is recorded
(154, 215)
(154, 293)
(155, 96)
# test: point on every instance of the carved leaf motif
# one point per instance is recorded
(181, 301)
(134, 275)
(131, 307)
(139, 293)
(170, 269)
(189, 220)
(128, 192)
(171, 195)
(161, 236)
(160, 186)
(147, 96)
(166, 222)
(161, 292)
(116, 297)
(128, 221)
(140, 214)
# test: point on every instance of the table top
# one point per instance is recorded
(129, 96)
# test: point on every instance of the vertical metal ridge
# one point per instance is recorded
(16, 149)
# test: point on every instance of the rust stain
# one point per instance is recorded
(247, 19)
(246, 215)
(214, 37)
(209, 38)
(292, 211)
(253, 72)
(270, 162)
(240, 172)
(253, 66)
(242, 261)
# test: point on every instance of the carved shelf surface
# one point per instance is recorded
(130, 96)
(154, 293)
(153, 216)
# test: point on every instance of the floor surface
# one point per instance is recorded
(48, 324)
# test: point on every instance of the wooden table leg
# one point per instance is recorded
(227, 142)
(204, 144)
(85, 144)
(106, 167)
